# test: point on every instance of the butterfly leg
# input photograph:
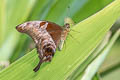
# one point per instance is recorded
(38, 66)
(60, 46)
(40, 62)
(40, 57)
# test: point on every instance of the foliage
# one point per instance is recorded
(80, 50)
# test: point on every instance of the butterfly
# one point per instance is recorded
(47, 37)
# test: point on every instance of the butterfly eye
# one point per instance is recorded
(67, 25)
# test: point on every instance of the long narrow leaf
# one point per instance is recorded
(94, 66)
(92, 30)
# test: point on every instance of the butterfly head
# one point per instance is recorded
(67, 27)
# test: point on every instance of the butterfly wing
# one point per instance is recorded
(55, 31)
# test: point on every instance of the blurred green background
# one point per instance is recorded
(14, 45)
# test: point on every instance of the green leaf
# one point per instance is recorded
(96, 77)
(79, 70)
(2, 20)
(87, 8)
(13, 9)
(112, 60)
(94, 66)
(5, 54)
(76, 9)
(92, 30)
(41, 9)
(44, 8)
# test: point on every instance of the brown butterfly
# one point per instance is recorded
(47, 37)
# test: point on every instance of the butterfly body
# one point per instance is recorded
(47, 37)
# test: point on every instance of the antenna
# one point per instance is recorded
(68, 11)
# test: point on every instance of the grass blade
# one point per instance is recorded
(92, 30)
(94, 66)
